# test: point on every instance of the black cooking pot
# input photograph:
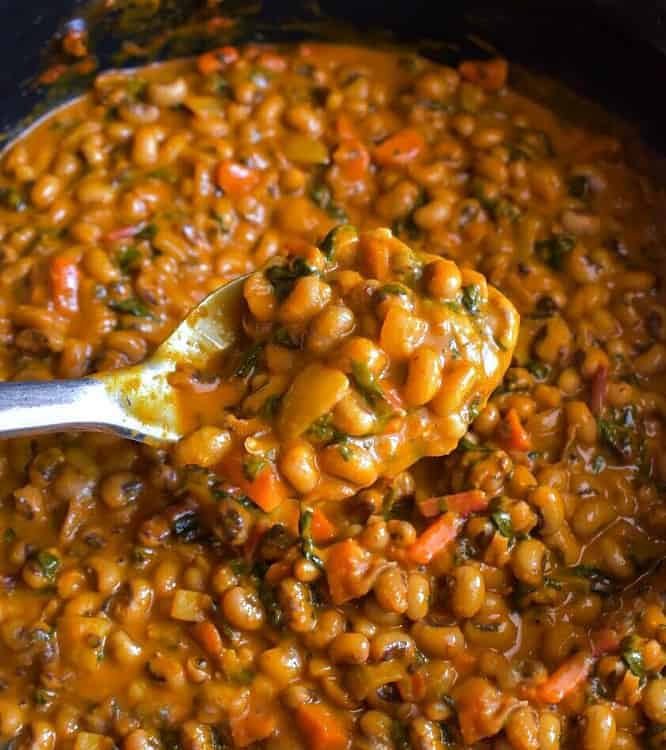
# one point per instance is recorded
(611, 51)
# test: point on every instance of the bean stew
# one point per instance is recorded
(408, 517)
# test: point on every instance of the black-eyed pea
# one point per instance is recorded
(522, 729)
(298, 464)
(418, 596)
(591, 516)
(352, 415)
(350, 462)
(652, 361)
(45, 190)
(358, 349)
(242, 608)
(555, 343)
(309, 296)
(527, 561)
(443, 278)
(169, 94)
(616, 559)
(329, 328)
(283, 664)
(546, 182)
(441, 642)
(468, 590)
(390, 590)
(424, 376)
(260, 297)
(487, 421)
(434, 214)
(349, 648)
(581, 421)
(458, 379)
(565, 542)
(548, 504)
(550, 729)
(401, 333)
(204, 447)
(598, 732)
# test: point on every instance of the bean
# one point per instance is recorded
(598, 728)
(242, 608)
(349, 648)
(468, 591)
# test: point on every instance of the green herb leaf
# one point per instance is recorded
(307, 544)
(502, 521)
(249, 361)
(368, 386)
(323, 431)
(129, 258)
(9, 535)
(337, 238)
(632, 657)
(283, 278)
(598, 464)
(270, 407)
(553, 251)
(540, 370)
(283, 337)
(253, 466)
(599, 582)
(12, 199)
(320, 195)
(48, 564)
(471, 298)
(147, 232)
(131, 306)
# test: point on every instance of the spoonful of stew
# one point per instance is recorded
(328, 369)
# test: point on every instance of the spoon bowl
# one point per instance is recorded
(137, 402)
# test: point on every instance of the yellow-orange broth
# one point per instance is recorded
(507, 596)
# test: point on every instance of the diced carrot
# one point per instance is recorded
(52, 74)
(345, 126)
(216, 60)
(321, 728)
(599, 389)
(472, 501)
(322, 528)
(266, 489)
(444, 530)
(235, 178)
(353, 159)
(400, 149)
(565, 679)
(490, 75)
(208, 637)
(64, 274)
(346, 562)
(513, 435)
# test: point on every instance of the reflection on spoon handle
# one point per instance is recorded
(37, 407)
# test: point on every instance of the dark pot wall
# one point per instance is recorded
(612, 51)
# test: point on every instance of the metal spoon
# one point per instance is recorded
(135, 402)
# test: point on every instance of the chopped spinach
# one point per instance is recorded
(502, 522)
(253, 466)
(367, 384)
(540, 370)
(320, 195)
(128, 258)
(339, 236)
(323, 431)
(599, 582)
(554, 250)
(283, 337)
(283, 278)
(9, 535)
(471, 298)
(12, 199)
(249, 361)
(270, 407)
(632, 657)
(131, 306)
(307, 544)
(48, 564)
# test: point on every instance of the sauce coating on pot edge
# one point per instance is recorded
(507, 596)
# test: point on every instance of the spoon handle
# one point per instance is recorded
(28, 408)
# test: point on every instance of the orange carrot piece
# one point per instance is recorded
(235, 178)
(352, 158)
(565, 679)
(64, 275)
(490, 75)
(345, 126)
(472, 501)
(216, 60)
(346, 562)
(400, 149)
(513, 435)
(208, 637)
(266, 489)
(322, 528)
(321, 728)
(444, 530)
